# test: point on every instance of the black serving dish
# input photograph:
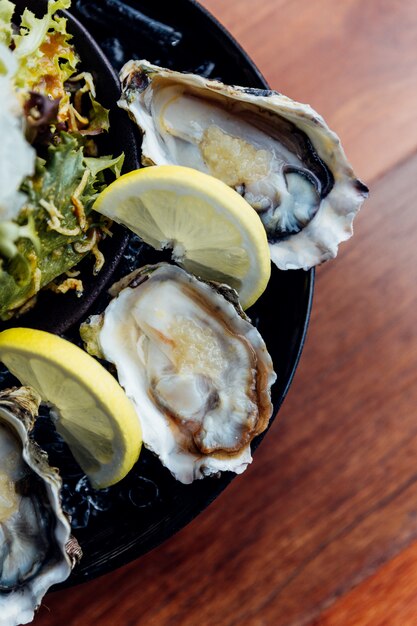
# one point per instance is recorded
(117, 525)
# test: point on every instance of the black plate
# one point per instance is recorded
(117, 525)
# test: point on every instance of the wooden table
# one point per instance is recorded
(322, 527)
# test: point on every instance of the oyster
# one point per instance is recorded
(36, 547)
(197, 371)
(279, 154)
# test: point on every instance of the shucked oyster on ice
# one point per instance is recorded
(197, 371)
(279, 154)
(36, 547)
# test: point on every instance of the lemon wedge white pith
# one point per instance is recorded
(94, 415)
(213, 232)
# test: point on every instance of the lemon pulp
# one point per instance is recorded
(212, 231)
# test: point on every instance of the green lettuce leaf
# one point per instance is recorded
(99, 119)
(38, 262)
(99, 164)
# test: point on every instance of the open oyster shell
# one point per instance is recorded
(197, 371)
(278, 153)
(36, 547)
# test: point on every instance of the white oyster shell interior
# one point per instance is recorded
(34, 531)
(278, 154)
(198, 374)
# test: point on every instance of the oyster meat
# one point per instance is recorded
(36, 547)
(197, 371)
(279, 154)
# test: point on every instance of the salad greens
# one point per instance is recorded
(60, 117)
(49, 212)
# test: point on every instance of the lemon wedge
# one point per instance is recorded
(212, 231)
(93, 414)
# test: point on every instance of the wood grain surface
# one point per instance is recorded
(322, 528)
